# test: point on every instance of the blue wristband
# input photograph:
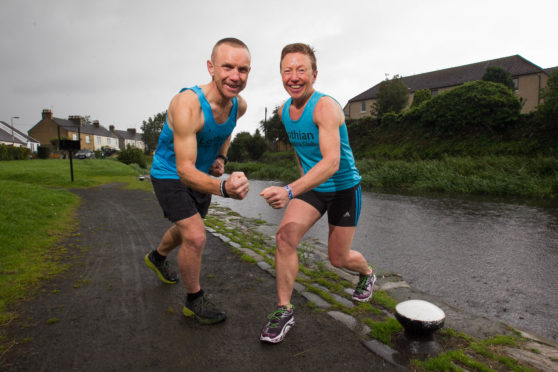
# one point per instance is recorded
(288, 188)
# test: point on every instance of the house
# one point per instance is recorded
(128, 137)
(11, 136)
(528, 79)
(91, 136)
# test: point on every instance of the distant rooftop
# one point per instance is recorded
(515, 65)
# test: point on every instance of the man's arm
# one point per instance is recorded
(328, 117)
(186, 119)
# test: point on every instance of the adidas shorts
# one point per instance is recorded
(342, 207)
(179, 201)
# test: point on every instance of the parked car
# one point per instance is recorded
(85, 154)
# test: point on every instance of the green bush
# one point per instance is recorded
(43, 152)
(8, 152)
(499, 75)
(390, 119)
(480, 105)
(132, 155)
(420, 96)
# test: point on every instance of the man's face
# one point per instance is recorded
(229, 69)
(297, 75)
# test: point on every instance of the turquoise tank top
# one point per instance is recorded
(304, 136)
(209, 140)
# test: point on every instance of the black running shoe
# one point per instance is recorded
(280, 322)
(204, 311)
(161, 269)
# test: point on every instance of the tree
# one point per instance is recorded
(151, 130)
(246, 147)
(547, 112)
(274, 130)
(499, 75)
(392, 96)
(239, 147)
(473, 106)
(421, 95)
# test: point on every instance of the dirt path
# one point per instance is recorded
(110, 313)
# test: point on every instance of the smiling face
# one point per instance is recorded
(229, 67)
(298, 76)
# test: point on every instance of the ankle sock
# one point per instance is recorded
(193, 296)
(158, 257)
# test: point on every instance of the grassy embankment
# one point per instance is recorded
(480, 164)
(37, 211)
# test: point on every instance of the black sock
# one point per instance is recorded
(158, 257)
(193, 296)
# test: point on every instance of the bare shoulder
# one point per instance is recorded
(328, 110)
(242, 106)
(185, 110)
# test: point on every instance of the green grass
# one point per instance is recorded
(33, 219)
(495, 175)
(87, 173)
(383, 330)
(37, 213)
(488, 175)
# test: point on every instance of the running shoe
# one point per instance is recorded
(280, 322)
(161, 269)
(363, 290)
(204, 311)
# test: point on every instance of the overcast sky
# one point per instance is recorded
(121, 61)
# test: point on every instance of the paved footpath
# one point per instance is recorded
(108, 312)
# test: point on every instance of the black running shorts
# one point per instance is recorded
(342, 207)
(179, 201)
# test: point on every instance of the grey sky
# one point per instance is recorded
(122, 61)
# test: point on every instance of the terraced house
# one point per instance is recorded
(11, 136)
(528, 78)
(91, 136)
(128, 137)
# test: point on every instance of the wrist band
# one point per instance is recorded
(223, 189)
(289, 191)
(225, 159)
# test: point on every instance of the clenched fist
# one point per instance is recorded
(277, 197)
(237, 185)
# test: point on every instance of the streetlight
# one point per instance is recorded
(12, 123)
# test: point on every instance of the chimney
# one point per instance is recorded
(76, 119)
(111, 128)
(47, 114)
(96, 123)
(132, 131)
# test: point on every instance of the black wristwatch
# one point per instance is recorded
(225, 159)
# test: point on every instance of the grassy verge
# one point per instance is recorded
(37, 212)
(503, 175)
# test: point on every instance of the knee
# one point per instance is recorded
(284, 242)
(337, 260)
(195, 241)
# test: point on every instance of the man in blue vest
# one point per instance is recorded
(329, 182)
(193, 147)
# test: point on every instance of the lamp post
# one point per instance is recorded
(12, 124)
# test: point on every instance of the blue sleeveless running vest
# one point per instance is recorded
(209, 140)
(304, 136)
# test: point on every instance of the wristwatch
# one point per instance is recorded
(225, 159)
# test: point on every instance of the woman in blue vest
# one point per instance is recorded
(329, 182)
